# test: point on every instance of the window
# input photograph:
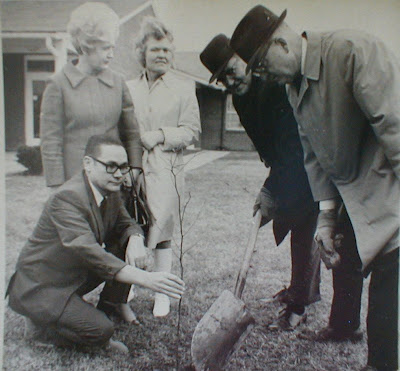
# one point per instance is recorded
(37, 70)
(232, 121)
(39, 66)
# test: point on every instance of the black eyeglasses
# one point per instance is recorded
(112, 167)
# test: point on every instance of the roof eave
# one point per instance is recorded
(199, 80)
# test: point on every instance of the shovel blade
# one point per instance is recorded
(220, 332)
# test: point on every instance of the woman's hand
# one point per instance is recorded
(151, 138)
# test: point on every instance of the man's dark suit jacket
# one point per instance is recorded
(268, 119)
(66, 248)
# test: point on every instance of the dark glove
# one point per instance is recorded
(326, 239)
(266, 203)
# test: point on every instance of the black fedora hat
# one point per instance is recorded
(251, 35)
(216, 55)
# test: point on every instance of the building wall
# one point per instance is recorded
(237, 141)
(211, 107)
(214, 135)
(124, 60)
(14, 86)
(13, 65)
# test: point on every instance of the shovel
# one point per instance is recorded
(226, 324)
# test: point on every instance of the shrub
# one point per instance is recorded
(30, 157)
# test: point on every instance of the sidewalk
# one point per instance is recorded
(11, 165)
(193, 160)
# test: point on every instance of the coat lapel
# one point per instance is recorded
(303, 88)
(312, 63)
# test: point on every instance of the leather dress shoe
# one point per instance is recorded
(282, 296)
(287, 320)
(331, 334)
(125, 312)
(288, 295)
(117, 346)
(111, 309)
(31, 330)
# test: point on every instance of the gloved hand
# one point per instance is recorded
(151, 138)
(266, 203)
(326, 239)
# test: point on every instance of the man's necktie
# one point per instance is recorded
(103, 207)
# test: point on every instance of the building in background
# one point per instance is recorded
(35, 45)
(221, 128)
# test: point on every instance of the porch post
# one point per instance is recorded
(57, 45)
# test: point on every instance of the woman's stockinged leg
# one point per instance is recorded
(162, 263)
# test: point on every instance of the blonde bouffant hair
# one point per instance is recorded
(90, 23)
(150, 27)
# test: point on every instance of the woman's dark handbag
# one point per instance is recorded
(136, 203)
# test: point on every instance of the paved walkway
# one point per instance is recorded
(11, 164)
(193, 160)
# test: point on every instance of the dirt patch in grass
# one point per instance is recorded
(222, 197)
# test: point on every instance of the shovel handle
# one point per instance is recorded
(241, 279)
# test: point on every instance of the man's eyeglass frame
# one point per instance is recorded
(112, 168)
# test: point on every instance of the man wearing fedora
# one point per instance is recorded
(285, 196)
(344, 87)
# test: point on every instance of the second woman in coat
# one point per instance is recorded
(168, 114)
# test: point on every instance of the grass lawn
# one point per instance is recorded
(220, 209)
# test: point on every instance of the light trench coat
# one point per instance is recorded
(348, 111)
(170, 105)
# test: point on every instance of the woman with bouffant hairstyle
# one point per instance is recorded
(90, 24)
(86, 98)
(168, 114)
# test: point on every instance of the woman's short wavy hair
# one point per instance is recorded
(150, 27)
(90, 23)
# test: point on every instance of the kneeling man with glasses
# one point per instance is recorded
(80, 241)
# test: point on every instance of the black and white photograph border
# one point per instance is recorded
(223, 176)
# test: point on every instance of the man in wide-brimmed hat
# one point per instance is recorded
(344, 87)
(285, 196)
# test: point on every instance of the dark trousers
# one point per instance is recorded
(81, 322)
(305, 279)
(115, 292)
(382, 320)
(347, 283)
